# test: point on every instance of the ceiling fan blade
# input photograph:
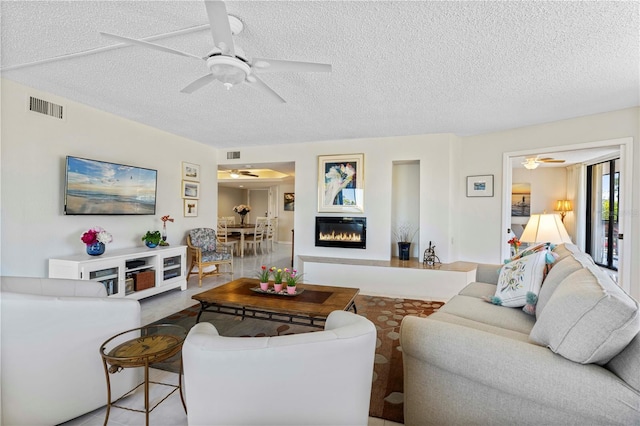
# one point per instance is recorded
(198, 84)
(149, 45)
(260, 85)
(220, 28)
(277, 65)
(552, 161)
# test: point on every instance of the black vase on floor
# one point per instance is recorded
(404, 250)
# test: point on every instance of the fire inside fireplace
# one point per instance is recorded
(344, 232)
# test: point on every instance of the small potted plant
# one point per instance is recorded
(152, 238)
(292, 278)
(277, 278)
(404, 234)
(263, 276)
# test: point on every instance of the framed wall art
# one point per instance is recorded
(289, 201)
(521, 199)
(341, 183)
(190, 190)
(190, 171)
(480, 186)
(190, 208)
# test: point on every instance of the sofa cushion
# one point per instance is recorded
(477, 309)
(588, 318)
(565, 249)
(500, 331)
(560, 270)
(480, 290)
(520, 277)
(625, 364)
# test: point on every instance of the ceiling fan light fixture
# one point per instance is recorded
(234, 175)
(530, 163)
(230, 71)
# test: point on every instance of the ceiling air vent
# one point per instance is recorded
(233, 155)
(46, 108)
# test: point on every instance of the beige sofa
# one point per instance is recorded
(51, 333)
(576, 361)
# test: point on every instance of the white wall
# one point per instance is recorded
(548, 184)
(436, 184)
(34, 147)
(33, 228)
(228, 198)
(479, 230)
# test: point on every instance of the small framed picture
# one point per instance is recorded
(480, 186)
(190, 208)
(289, 201)
(190, 190)
(190, 171)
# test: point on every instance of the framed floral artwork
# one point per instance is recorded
(341, 183)
(190, 171)
(190, 208)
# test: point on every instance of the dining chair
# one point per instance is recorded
(257, 237)
(226, 237)
(270, 232)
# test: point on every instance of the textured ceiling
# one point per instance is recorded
(399, 68)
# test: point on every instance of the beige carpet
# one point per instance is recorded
(386, 313)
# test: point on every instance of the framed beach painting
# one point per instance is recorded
(190, 171)
(521, 199)
(341, 183)
(190, 189)
(480, 186)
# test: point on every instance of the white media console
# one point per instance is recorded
(134, 272)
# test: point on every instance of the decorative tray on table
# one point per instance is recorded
(279, 293)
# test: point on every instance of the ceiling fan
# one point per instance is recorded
(227, 62)
(235, 173)
(533, 162)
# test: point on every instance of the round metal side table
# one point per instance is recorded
(141, 347)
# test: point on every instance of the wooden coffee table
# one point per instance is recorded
(311, 307)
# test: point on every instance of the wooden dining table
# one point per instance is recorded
(247, 228)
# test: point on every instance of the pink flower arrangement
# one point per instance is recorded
(263, 275)
(96, 235)
(292, 277)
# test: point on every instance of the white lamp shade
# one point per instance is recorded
(545, 228)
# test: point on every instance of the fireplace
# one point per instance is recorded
(344, 232)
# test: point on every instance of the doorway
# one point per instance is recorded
(624, 148)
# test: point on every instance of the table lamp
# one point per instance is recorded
(563, 206)
(545, 228)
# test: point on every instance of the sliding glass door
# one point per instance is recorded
(603, 184)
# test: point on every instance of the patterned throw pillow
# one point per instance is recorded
(518, 278)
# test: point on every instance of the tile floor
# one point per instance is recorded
(171, 412)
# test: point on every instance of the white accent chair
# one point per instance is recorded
(319, 378)
(51, 334)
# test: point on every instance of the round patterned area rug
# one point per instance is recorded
(386, 313)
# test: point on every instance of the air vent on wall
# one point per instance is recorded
(46, 108)
(233, 155)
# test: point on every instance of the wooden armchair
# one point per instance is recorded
(206, 251)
